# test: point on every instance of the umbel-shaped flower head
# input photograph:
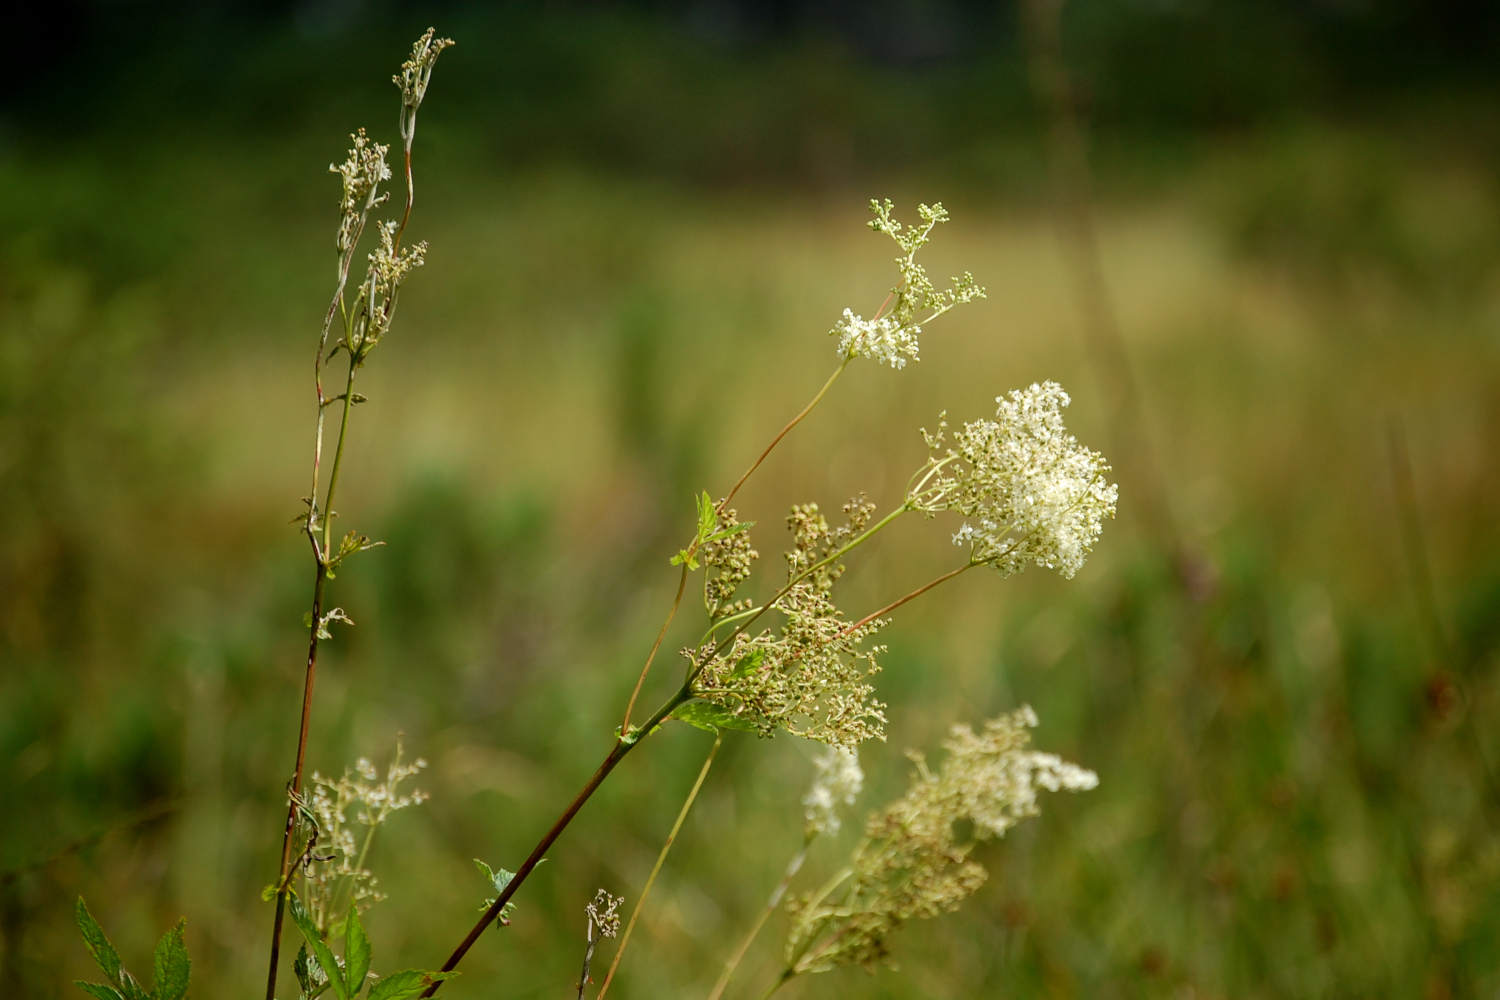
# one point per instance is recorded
(1030, 491)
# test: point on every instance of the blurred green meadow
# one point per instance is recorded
(640, 232)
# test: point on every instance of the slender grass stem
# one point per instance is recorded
(760, 921)
(781, 980)
(660, 859)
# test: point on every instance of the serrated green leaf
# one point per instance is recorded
(710, 718)
(131, 989)
(707, 516)
(173, 966)
(748, 664)
(321, 951)
(97, 942)
(408, 983)
(310, 975)
(733, 529)
(356, 951)
(486, 871)
(98, 990)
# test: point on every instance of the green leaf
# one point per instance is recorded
(749, 664)
(486, 871)
(711, 718)
(310, 975)
(684, 556)
(98, 990)
(321, 951)
(132, 989)
(707, 516)
(733, 529)
(95, 940)
(356, 952)
(268, 894)
(173, 966)
(401, 985)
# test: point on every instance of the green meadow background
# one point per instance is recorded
(643, 220)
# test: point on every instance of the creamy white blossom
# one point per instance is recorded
(883, 340)
(838, 782)
(1030, 491)
(892, 337)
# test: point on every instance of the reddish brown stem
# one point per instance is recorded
(724, 504)
(291, 811)
(867, 619)
(616, 754)
(676, 603)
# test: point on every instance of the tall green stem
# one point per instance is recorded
(660, 860)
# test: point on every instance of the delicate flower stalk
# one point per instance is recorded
(911, 864)
(366, 320)
(811, 675)
(838, 782)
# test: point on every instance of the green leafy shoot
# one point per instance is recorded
(708, 531)
(320, 969)
(499, 879)
(172, 966)
(711, 718)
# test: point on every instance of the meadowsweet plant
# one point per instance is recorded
(795, 662)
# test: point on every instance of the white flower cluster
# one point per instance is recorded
(913, 864)
(883, 340)
(838, 782)
(993, 781)
(1032, 492)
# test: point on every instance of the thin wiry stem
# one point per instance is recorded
(723, 504)
(656, 869)
(911, 596)
(634, 694)
(760, 921)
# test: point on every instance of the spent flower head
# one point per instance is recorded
(891, 337)
(810, 679)
(912, 863)
(838, 782)
(603, 915)
(1032, 493)
(361, 173)
(414, 77)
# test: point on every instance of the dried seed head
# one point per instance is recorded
(603, 915)
(811, 679)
